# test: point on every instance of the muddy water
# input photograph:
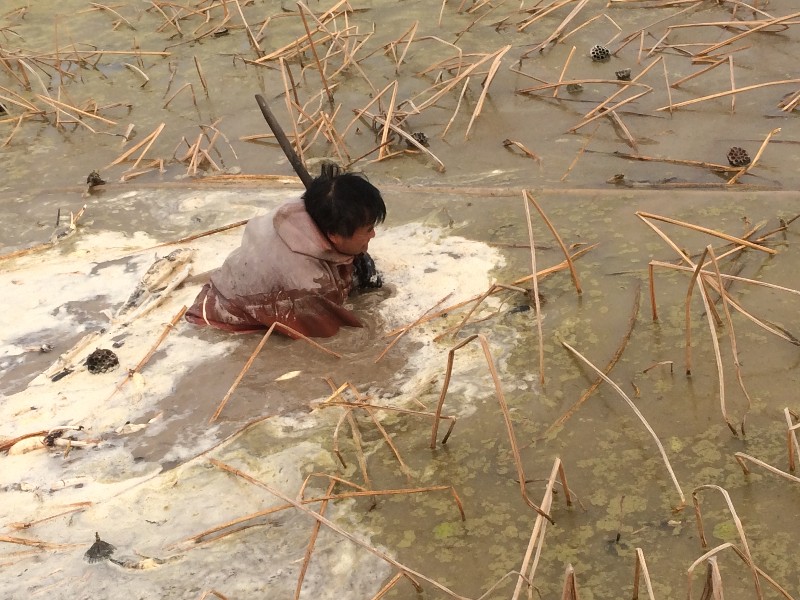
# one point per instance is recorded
(625, 498)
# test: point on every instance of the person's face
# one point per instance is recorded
(356, 243)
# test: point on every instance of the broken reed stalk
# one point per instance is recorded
(729, 238)
(408, 137)
(407, 411)
(312, 540)
(78, 507)
(556, 34)
(501, 400)
(541, 274)
(688, 313)
(609, 367)
(250, 37)
(403, 466)
(743, 557)
(753, 162)
(242, 373)
(580, 153)
(314, 515)
(727, 93)
(791, 438)
(357, 440)
(677, 161)
(535, 281)
(148, 141)
(741, 457)
(39, 544)
(639, 415)
(146, 358)
(640, 570)
(563, 71)
(738, 524)
(300, 7)
(537, 534)
(570, 590)
(572, 271)
(458, 106)
(597, 115)
(731, 332)
(387, 121)
(736, 38)
(406, 329)
(498, 57)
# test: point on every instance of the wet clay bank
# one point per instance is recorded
(172, 90)
(145, 493)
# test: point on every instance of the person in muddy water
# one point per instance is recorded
(298, 264)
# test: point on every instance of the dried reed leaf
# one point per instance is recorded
(638, 414)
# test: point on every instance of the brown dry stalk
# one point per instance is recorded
(573, 272)
(580, 153)
(556, 34)
(6, 444)
(791, 438)
(242, 372)
(741, 457)
(406, 329)
(310, 37)
(408, 137)
(570, 590)
(498, 57)
(524, 150)
(682, 80)
(450, 418)
(638, 414)
(526, 573)
(736, 38)
(555, 5)
(526, 198)
(729, 238)
(688, 313)
(146, 358)
(503, 408)
(731, 331)
(312, 541)
(597, 115)
(614, 359)
(563, 71)
(753, 162)
(314, 515)
(737, 523)
(41, 545)
(148, 141)
(540, 275)
(78, 506)
(641, 571)
(728, 93)
(676, 161)
(387, 121)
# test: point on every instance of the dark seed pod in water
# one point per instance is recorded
(574, 88)
(623, 75)
(100, 550)
(600, 53)
(101, 360)
(738, 157)
(420, 138)
(94, 179)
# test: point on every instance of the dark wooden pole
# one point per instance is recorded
(286, 145)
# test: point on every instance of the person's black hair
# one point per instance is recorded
(339, 203)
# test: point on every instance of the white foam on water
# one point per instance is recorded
(134, 506)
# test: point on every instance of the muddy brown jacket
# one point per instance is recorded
(285, 270)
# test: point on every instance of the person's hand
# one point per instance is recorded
(365, 275)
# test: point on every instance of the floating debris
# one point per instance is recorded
(738, 157)
(162, 277)
(101, 361)
(623, 75)
(599, 53)
(421, 138)
(94, 179)
(100, 550)
(574, 88)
